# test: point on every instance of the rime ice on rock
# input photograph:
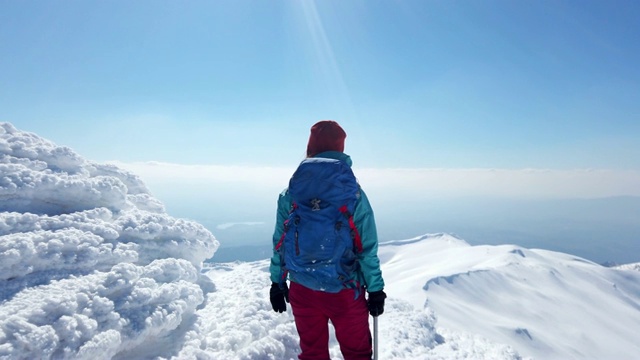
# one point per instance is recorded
(91, 265)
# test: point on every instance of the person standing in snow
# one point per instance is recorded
(346, 306)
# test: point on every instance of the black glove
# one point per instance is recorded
(376, 302)
(278, 296)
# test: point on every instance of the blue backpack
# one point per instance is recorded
(320, 242)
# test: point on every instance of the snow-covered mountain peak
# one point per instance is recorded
(443, 238)
(537, 301)
(634, 266)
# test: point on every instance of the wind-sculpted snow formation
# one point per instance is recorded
(91, 266)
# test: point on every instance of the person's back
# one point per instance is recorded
(353, 241)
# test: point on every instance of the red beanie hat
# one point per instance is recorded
(326, 135)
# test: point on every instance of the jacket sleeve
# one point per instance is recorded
(369, 261)
(284, 205)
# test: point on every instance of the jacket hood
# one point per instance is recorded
(336, 155)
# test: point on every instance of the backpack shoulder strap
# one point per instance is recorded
(355, 234)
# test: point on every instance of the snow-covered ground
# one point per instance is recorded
(92, 267)
(547, 305)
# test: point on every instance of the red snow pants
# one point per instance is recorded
(312, 311)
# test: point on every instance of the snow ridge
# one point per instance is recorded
(544, 304)
(634, 266)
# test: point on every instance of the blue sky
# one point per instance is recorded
(427, 84)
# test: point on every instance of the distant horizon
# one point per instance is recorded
(527, 183)
(572, 211)
(604, 231)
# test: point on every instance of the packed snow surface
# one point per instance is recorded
(92, 267)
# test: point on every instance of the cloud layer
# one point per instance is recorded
(418, 182)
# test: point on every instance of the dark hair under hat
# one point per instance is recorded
(326, 135)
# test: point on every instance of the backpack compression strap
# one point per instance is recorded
(285, 227)
(283, 271)
(357, 242)
(352, 225)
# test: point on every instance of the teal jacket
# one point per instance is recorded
(369, 273)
